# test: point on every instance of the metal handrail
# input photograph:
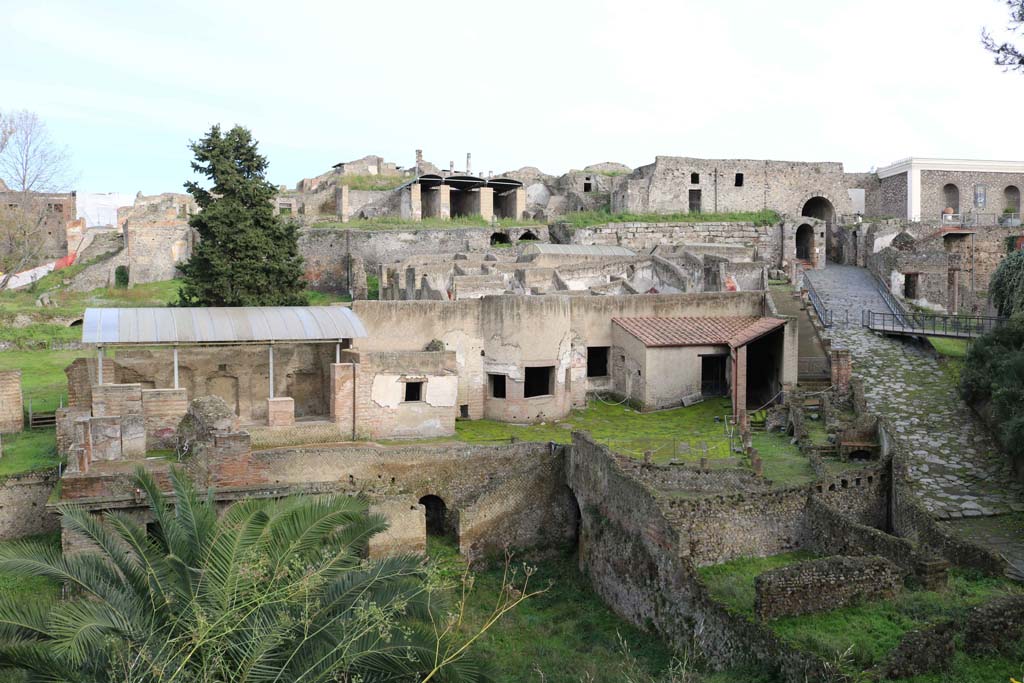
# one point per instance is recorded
(888, 297)
(934, 325)
(824, 313)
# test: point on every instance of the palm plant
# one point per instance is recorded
(272, 590)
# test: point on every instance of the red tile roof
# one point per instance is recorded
(734, 331)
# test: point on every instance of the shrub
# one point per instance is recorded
(993, 376)
(121, 277)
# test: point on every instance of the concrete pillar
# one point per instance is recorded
(486, 203)
(444, 203)
(343, 397)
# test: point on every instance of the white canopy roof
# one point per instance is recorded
(242, 325)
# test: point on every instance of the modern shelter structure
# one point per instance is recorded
(213, 327)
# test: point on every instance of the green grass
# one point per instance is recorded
(583, 219)
(981, 669)
(33, 587)
(870, 629)
(732, 583)
(42, 374)
(374, 182)
(567, 633)
(314, 298)
(951, 348)
(392, 223)
(372, 287)
(29, 451)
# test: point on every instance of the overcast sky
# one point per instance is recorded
(555, 84)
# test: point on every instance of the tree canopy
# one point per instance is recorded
(272, 590)
(247, 255)
(1006, 288)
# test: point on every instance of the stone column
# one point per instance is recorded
(841, 371)
(342, 397)
(520, 204)
(341, 203)
(486, 200)
(444, 202)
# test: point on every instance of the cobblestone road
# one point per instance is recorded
(955, 470)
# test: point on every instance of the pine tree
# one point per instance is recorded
(246, 255)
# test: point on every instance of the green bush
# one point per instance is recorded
(1006, 288)
(121, 277)
(993, 375)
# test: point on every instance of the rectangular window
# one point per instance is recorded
(587, 186)
(739, 180)
(285, 210)
(539, 381)
(413, 391)
(695, 178)
(597, 361)
(497, 383)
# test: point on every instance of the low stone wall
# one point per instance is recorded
(634, 558)
(23, 505)
(826, 584)
(829, 530)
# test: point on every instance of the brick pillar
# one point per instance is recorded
(342, 397)
(841, 371)
(280, 411)
(486, 203)
(953, 306)
(520, 204)
(444, 202)
(12, 417)
(415, 202)
(739, 381)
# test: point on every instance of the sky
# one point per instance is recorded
(556, 84)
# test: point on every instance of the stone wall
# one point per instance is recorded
(635, 560)
(933, 198)
(326, 250)
(766, 240)
(23, 505)
(784, 186)
(12, 416)
(823, 585)
(892, 197)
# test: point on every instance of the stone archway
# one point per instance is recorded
(500, 238)
(436, 515)
(822, 207)
(951, 197)
(805, 243)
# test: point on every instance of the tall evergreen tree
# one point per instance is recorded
(246, 256)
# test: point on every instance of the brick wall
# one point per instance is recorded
(163, 410)
(12, 418)
(823, 585)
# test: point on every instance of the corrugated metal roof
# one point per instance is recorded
(242, 325)
(578, 250)
(734, 331)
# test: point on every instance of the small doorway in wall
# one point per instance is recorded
(597, 361)
(499, 238)
(910, 285)
(853, 249)
(436, 514)
(694, 201)
(712, 376)
(805, 242)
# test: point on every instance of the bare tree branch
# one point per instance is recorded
(32, 165)
(1007, 55)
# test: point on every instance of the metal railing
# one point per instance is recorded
(933, 325)
(888, 297)
(824, 314)
(980, 220)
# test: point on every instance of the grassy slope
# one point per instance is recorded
(631, 432)
(871, 629)
(567, 633)
(28, 452)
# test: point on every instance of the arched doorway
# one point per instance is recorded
(805, 242)
(951, 197)
(436, 514)
(499, 238)
(1011, 199)
(822, 209)
(528, 235)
